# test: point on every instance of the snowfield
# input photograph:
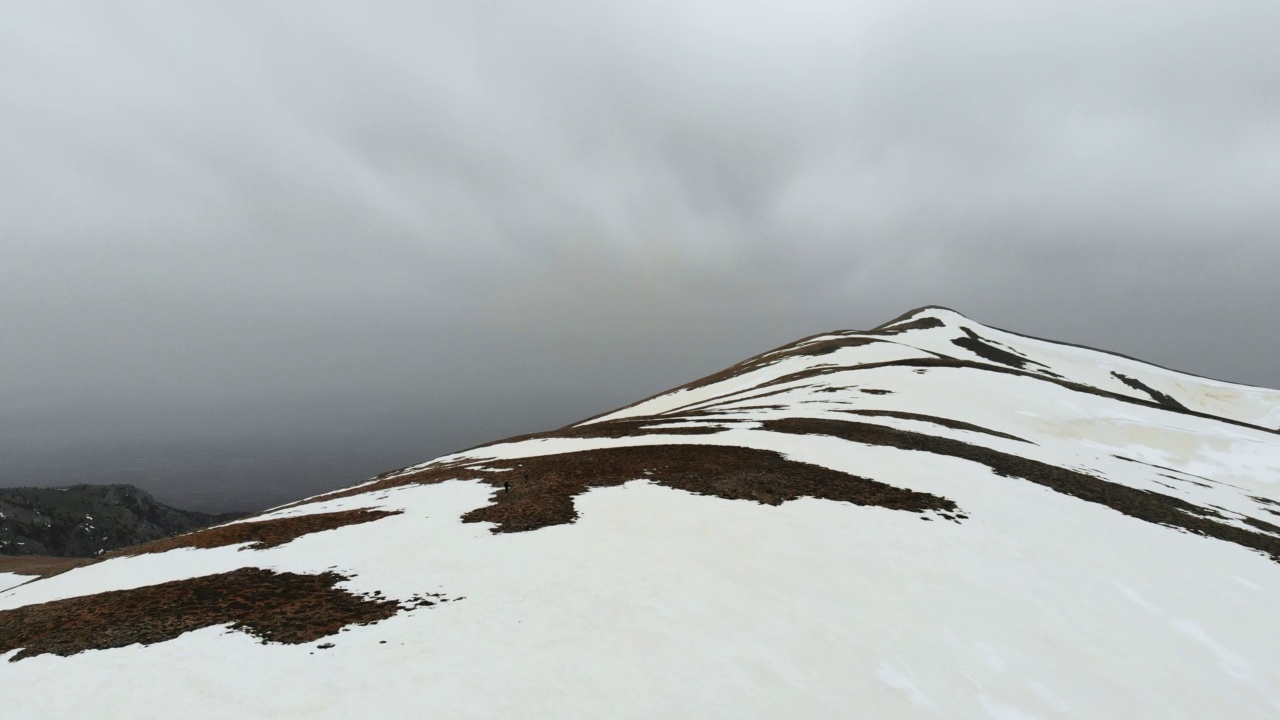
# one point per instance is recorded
(932, 519)
(9, 580)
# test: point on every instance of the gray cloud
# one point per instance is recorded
(451, 221)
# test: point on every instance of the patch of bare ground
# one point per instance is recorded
(935, 420)
(430, 475)
(1269, 506)
(40, 565)
(803, 347)
(986, 350)
(543, 493)
(536, 492)
(921, 364)
(1156, 395)
(897, 326)
(261, 534)
(1141, 504)
(1181, 475)
(622, 427)
(807, 374)
(278, 607)
(800, 348)
(751, 394)
(751, 364)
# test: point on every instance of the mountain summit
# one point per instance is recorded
(930, 519)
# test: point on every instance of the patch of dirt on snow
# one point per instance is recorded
(537, 492)
(1156, 395)
(279, 607)
(984, 348)
(799, 348)
(796, 349)
(921, 364)
(935, 420)
(543, 488)
(40, 565)
(622, 427)
(897, 326)
(261, 534)
(1141, 504)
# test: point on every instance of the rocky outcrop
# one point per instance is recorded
(87, 520)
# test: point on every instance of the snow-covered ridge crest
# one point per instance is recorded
(929, 518)
(937, 334)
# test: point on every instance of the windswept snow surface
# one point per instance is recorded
(8, 580)
(1110, 556)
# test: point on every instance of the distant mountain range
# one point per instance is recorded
(929, 519)
(88, 520)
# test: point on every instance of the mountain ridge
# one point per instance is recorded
(87, 520)
(930, 517)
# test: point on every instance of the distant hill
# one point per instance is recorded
(87, 520)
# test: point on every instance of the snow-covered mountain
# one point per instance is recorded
(931, 519)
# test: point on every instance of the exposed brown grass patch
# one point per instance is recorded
(803, 347)
(622, 427)
(279, 607)
(1142, 504)
(261, 534)
(40, 565)
(429, 475)
(986, 350)
(536, 492)
(921, 364)
(897, 326)
(1161, 398)
(545, 487)
(935, 420)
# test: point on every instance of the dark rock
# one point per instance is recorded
(86, 520)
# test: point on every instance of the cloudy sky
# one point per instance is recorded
(417, 226)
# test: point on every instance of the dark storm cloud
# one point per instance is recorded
(477, 218)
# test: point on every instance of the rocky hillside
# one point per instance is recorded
(86, 520)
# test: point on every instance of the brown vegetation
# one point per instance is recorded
(1161, 398)
(935, 420)
(921, 364)
(803, 347)
(542, 488)
(724, 471)
(986, 350)
(40, 565)
(261, 534)
(279, 607)
(622, 427)
(1142, 504)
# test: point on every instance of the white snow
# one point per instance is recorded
(662, 603)
(8, 580)
(717, 611)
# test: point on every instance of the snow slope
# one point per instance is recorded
(8, 580)
(932, 519)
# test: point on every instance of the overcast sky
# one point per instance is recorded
(460, 220)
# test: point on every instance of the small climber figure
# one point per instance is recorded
(506, 487)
